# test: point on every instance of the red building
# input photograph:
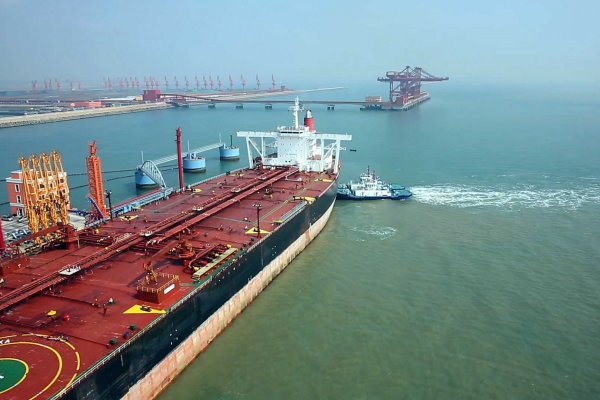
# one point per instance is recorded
(16, 197)
(151, 95)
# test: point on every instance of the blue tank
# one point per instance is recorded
(192, 162)
(229, 152)
(142, 180)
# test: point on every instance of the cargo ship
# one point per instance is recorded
(118, 309)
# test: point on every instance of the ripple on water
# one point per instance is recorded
(512, 198)
(372, 231)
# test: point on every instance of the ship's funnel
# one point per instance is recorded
(308, 121)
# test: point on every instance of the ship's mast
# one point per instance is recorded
(295, 109)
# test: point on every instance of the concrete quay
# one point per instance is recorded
(9, 122)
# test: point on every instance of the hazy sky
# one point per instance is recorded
(333, 42)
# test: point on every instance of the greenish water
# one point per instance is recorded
(485, 285)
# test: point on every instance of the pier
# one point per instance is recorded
(367, 105)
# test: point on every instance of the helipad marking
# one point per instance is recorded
(72, 379)
(22, 377)
(58, 357)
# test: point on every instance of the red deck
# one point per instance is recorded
(55, 326)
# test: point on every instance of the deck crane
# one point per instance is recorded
(95, 183)
(180, 249)
(46, 192)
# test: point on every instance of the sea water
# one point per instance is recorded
(486, 284)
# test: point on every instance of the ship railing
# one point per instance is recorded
(170, 279)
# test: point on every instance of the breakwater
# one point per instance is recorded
(9, 122)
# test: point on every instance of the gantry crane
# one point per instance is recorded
(46, 191)
(406, 84)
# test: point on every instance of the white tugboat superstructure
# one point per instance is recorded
(298, 145)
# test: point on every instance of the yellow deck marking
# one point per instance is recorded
(252, 231)
(24, 375)
(72, 379)
(128, 217)
(6, 337)
(56, 353)
(137, 309)
(308, 199)
(197, 190)
(78, 360)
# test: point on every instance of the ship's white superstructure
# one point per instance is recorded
(298, 145)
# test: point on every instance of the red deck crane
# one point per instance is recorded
(95, 183)
(406, 84)
(2, 242)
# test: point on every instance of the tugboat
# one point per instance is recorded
(370, 187)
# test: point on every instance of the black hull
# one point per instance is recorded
(122, 370)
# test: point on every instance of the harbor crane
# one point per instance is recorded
(405, 85)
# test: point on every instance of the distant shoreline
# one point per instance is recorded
(33, 119)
